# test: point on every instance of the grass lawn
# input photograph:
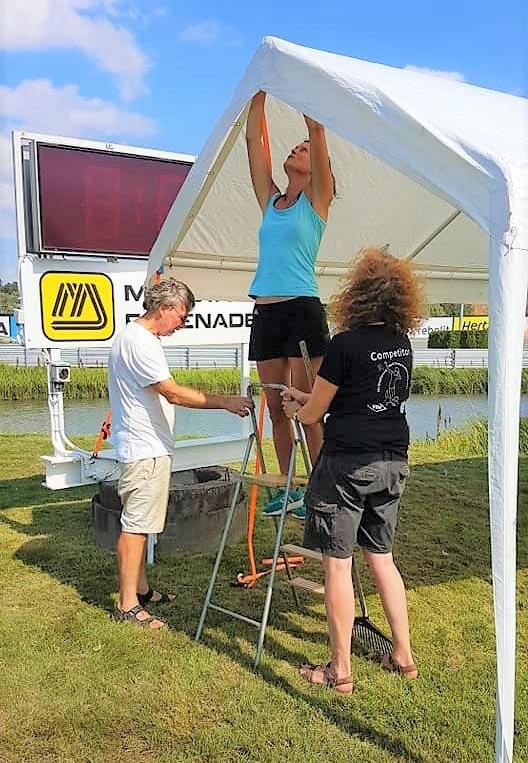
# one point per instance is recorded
(79, 687)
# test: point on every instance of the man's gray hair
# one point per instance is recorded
(168, 293)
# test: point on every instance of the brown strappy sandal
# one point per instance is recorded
(131, 616)
(330, 681)
(389, 664)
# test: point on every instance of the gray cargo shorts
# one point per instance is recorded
(353, 499)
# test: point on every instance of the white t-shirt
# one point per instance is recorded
(142, 419)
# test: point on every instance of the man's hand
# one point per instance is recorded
(241, 406)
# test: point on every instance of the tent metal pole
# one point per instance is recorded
(508, 284)
(433, 235)
(209, 180)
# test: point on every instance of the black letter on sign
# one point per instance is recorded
(129, 291)
(220, 321)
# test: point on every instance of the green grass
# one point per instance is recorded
(78, 687)
(29, 382)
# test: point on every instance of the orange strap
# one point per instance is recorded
(103, 434)
(248, 581)
(265, 140)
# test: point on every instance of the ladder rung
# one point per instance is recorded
(291, 548)
(308, 585)
(271, 480)
(234, 614)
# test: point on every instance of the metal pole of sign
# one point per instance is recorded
(152, 539)
(245, 368)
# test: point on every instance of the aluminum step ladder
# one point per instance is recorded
(267, 481)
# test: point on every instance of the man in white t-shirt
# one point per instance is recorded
(142, 395)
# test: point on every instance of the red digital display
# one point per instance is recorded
(104, 203)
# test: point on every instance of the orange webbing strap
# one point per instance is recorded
(265, 140)
(103, 434)
(248, 581)
(157, 276)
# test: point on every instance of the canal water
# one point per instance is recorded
(84, 417)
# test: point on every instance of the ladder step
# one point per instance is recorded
(308, 585)
(271, 480)
(291, 548)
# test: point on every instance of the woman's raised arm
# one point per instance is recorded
(322, 178)
(258, 151)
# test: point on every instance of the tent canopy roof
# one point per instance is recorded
(430, 166)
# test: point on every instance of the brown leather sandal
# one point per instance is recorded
(330, 680)
(389, 664)
(131, 616)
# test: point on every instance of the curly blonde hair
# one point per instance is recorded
(379, 288)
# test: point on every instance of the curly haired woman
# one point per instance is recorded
(358, 480)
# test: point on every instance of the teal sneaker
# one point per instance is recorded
(299, 512)
(274, 505)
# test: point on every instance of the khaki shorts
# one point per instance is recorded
(143, 488)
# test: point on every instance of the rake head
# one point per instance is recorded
(372, 640)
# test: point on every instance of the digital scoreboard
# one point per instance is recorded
(103, 203)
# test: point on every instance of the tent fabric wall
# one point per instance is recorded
(439, 170)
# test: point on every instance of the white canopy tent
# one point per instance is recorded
(435, 168)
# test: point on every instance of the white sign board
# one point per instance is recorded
(78, 303)
(444, 323)
(5, 331)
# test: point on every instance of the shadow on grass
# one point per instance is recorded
(340, 713)
(443, 536)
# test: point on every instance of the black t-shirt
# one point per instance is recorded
(372, 367)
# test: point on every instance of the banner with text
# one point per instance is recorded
(74, 303)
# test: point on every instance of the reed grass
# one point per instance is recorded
(29, 382)
(472, 439)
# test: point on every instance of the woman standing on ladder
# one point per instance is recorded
(287, 305)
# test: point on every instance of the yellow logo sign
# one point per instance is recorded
(77, 306)
(471, 323)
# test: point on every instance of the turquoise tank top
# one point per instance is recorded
(289, 241)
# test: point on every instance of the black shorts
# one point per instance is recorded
(278, 328)
(353, 499)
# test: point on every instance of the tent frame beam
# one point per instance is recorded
(211, 177)
(437, 231)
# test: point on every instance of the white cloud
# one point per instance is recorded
(38, 106)
(453, 75)
(87, 25)
(204, 33)
(7, 193)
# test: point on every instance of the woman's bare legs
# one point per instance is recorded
(340, 610)
(277, 371)
(314, 432)
(391, 589)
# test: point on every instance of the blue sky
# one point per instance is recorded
(158, 73)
